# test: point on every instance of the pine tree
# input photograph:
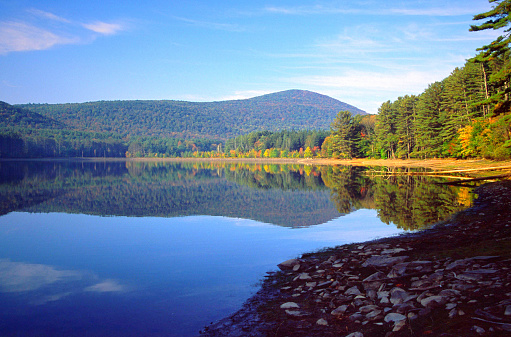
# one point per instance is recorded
(427, 123)
(497, 52)
(343, 133)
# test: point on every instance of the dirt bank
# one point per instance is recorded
(451, 280)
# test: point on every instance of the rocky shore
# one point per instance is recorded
(451, 280)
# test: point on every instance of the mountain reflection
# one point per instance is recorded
(285, 195)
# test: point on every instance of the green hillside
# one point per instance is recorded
(23, 118)
(291, 109)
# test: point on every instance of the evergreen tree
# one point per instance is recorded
(497, 52)
(427, 123)
(343, 131)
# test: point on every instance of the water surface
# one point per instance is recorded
(130, 249)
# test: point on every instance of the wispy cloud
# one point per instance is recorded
(20, 277)
(413, 81)
(48, 15)
(107, 286)
(377, 8)
(104, 28)
(245, 94)
(308, 10)
(439, 11)
(21, 36)
(212, 25)
(35, 34)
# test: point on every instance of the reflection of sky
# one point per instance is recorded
(182, 272)
(46, 282)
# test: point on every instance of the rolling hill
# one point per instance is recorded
(291, 109)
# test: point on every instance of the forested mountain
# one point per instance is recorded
(291, 109)
(24, 118)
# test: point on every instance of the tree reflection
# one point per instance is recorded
(289, 195)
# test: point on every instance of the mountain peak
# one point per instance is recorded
(309, 98)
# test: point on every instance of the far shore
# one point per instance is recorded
(432, 164)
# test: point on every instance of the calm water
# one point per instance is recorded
(154, 249)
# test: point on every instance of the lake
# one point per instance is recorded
(130, 248)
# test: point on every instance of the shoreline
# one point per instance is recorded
(443, 164)
(450, 280)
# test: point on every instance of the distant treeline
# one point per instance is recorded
(51, 143)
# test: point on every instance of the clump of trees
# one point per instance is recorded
(468, 114)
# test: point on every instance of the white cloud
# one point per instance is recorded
(48, 15)
(20, 36)
(212, 25)
(41, 32)
(306, 10)
(104, 28)
(379, 8)
(18, 277)
(367, 90)
(245, 94)
(106, 286)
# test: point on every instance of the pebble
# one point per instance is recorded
(355, 334)
(394, 317)
(372, 285)
(322, 321)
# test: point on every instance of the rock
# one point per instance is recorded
(453, 313)
(367, 308)
(294, 313)
(289, 305)
(383, 261)
(436, 277)
(356, 317)
(310, 284)
(398, 270)
(394, 317)
(371, 294)
(288, 264)
(481, 271)
(393, 250)
(478, 330)
(450, 306)
(403, 308)
(304, 276)
(373, 314)
(340, 310)
(507, 312)
(353, 291)
(433, 301)
(449, 293)
(398, 295)
(470, 277)
(296, 267)
(399, 325)
(355, 334)
(458, 263)
(373, 277)
(322, 321)
(324, 284)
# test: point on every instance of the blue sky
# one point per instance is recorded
(360, 52)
